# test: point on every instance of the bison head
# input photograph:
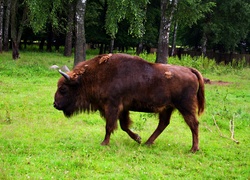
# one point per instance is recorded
(68, 88)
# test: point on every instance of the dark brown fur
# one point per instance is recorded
(119, 83)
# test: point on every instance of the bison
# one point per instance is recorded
(115, 84)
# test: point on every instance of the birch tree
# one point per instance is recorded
(185, 13)
(167, 10)
(80, 44)
(133, 11)
(190, 12)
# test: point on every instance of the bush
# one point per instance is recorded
(203, 64)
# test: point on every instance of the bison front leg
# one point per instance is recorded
(107, 136)
(111, 116)
(124, 123)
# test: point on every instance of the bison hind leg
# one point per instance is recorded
(193, 124)
(125, 122)
(164, 120)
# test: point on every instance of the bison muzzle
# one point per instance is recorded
(115, 84)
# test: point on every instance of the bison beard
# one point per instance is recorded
(115, 84)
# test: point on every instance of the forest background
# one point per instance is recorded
(204, 25)
(38, 142)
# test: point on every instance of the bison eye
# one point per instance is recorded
(62, 90)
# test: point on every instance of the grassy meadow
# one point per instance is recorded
(38, 142)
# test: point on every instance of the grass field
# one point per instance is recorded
(38, 142)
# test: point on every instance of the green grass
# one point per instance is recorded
(38, 142)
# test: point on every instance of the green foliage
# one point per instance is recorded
(40, 143)
(133, 11)
(206, 65)
(152, 24)
(43, 11)
(203, 64)
(230, 22)
(190, 11)
(225, 26)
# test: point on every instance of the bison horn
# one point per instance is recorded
(65, 68)
(65, 75)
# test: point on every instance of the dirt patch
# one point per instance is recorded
(221, 83)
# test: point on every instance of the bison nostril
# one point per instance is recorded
(55, 104)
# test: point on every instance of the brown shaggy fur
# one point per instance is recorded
(115, 84)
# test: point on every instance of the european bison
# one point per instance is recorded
(115, 84)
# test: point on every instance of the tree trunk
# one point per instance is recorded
(80, 50)
(41, 44)
(69, 33)
(139, 49)
(174, 38)
(49, 38)
(163, 41)
(112, 42)
(15, 52)
(204, 44)
(101, 49)
(105, 48)
(6, 26)
(1, 26)
(17, 29)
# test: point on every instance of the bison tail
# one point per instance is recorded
(200, 92)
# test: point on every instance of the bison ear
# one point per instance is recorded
(65, 75)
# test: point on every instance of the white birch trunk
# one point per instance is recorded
(80, 51)
(163, 41)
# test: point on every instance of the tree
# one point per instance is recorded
(229, 24)
(51, 15)
(134, 11)
(6, 26)
(80, 45)
(1, 26)
(96, 11)
(221, 29)
(183, 13)
(69, 30)
(167, 11)
(174, 36)
(37, 14)
(48, 18)
(17, 25)
(152, 25)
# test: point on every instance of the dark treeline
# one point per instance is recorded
(202, 25)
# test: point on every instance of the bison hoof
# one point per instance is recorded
(138, 139)
(194, 150)
(148, 143)
(104, 143)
